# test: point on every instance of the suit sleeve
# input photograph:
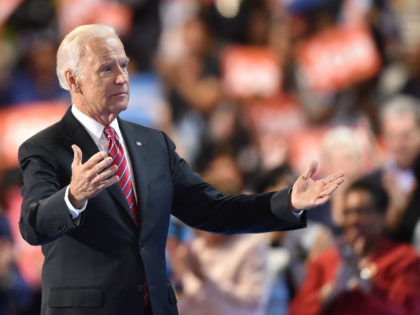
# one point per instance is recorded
(200, 205)
(44, 214)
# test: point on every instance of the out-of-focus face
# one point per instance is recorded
(360, 218)
(196, 37)
(104, 84)
(42, 59)
(402, 137)
(342, 159)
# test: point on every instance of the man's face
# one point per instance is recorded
(104, 85)
(360, 218)
(402, 137)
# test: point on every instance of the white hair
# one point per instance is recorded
(71, 48)
(343, 138)
(401, 105)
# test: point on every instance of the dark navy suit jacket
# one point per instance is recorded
(97, 264)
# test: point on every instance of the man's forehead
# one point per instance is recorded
(103, 48)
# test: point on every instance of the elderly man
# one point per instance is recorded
(400, 124)
(99, 192)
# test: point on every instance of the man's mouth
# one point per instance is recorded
(119, 93)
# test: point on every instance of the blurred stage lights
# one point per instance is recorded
(228, 8)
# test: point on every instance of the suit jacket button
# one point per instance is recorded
(140, 246)
(140, 288)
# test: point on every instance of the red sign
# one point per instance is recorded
(250, 71)
(18, 123)
(338, 58)
(74, 13)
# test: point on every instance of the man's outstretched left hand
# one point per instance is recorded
(309, 193)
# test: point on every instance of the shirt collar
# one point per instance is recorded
(94, 128)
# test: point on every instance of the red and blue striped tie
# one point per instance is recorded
(116, 151)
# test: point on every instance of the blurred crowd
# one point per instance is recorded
(251, 91)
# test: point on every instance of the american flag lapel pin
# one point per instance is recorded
(138, 143)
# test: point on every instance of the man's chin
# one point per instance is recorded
(119, 107)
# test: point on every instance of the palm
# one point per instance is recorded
(308, 193)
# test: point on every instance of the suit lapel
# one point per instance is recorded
(138, 159)
(78, 135)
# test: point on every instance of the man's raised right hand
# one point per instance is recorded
(89, 179)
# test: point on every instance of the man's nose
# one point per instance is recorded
(122, 76)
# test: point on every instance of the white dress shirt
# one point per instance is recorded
(96, 131)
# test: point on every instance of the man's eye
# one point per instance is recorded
(107, 69)
(124, 66)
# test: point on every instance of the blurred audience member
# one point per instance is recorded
(290, 251)
(192, 82)
(400, 124)
(366, 273)
(408, 229)
(340, 152)
(37, 80)
(223, 275)
(15, 294)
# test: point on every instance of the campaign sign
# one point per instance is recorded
(250, 71)
(18, 123)
(338, 57)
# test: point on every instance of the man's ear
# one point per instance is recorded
(72, 81)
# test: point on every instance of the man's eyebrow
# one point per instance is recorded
(106, 64)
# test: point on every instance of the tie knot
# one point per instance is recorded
(109, 131)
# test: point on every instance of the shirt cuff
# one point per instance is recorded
(72, 210)
(296, 214)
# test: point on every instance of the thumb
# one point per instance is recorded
(77, 155)
(311, 169)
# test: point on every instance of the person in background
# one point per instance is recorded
(340, 150)
(193, 82)
(365, 273)
(224, 275)
(408, 229)
(400, 127)
(290, 252)
(15, 294)
(37, 81)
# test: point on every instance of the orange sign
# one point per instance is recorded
(18, 123)
(338, 58)
(73, 13)
(251, 71)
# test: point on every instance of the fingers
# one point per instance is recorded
(322, 200)
(77, 160)
(104, 175)
(334, 177)
(105, 184)
(311, 169)
(328, 190)
(94, 160)
(99, 167)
